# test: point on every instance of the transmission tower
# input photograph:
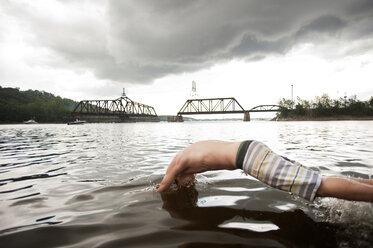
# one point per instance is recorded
(194, 90)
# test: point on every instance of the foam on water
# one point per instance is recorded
(344, 212)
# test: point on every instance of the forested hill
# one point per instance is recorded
(18, 106)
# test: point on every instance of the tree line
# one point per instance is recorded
(324, 106)
(18, 106)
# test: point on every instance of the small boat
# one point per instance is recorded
(76, 122)
(31, 121)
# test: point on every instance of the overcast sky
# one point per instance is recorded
(251, 50)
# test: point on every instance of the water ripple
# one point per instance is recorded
(94, 186)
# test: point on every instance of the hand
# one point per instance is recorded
(200, 157)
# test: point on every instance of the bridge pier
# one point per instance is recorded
(246, 116)
(177, 118)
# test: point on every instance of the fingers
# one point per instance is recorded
(173, 170)
(166, 183)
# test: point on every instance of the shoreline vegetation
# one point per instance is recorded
(17, 106)
(323, 108)
(330, 118)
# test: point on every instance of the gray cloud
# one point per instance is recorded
(327, 24)
(139, 41)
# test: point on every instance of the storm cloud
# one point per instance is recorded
(139, 41)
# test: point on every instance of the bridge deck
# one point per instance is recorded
(211, 112)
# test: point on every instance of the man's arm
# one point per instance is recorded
(200, 157)
(218, 155)
(346, 188)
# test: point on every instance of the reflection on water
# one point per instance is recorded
(290, 228)
(261, 226)
(94, 185)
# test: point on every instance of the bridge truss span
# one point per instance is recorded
(265, 108)
(122, 107)
(228, 105)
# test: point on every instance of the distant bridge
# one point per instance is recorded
(121, 109)
(265, 108)
(228, 105)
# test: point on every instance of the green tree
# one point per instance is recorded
(285, 107)
(18, 106)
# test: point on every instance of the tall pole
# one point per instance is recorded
(292, 99)
(194, 89)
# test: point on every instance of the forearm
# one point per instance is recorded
(361, 180)
(346, 188)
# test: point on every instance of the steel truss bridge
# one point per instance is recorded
(123, 107)
(265, 108)
(228, 105)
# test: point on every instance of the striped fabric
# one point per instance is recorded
(257, 160)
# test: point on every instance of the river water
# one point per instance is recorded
(94, 185)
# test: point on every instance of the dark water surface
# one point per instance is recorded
(94, 186)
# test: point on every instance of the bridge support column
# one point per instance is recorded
(246, 116)
(177, 118)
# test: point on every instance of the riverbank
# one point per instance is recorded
(326, 118)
